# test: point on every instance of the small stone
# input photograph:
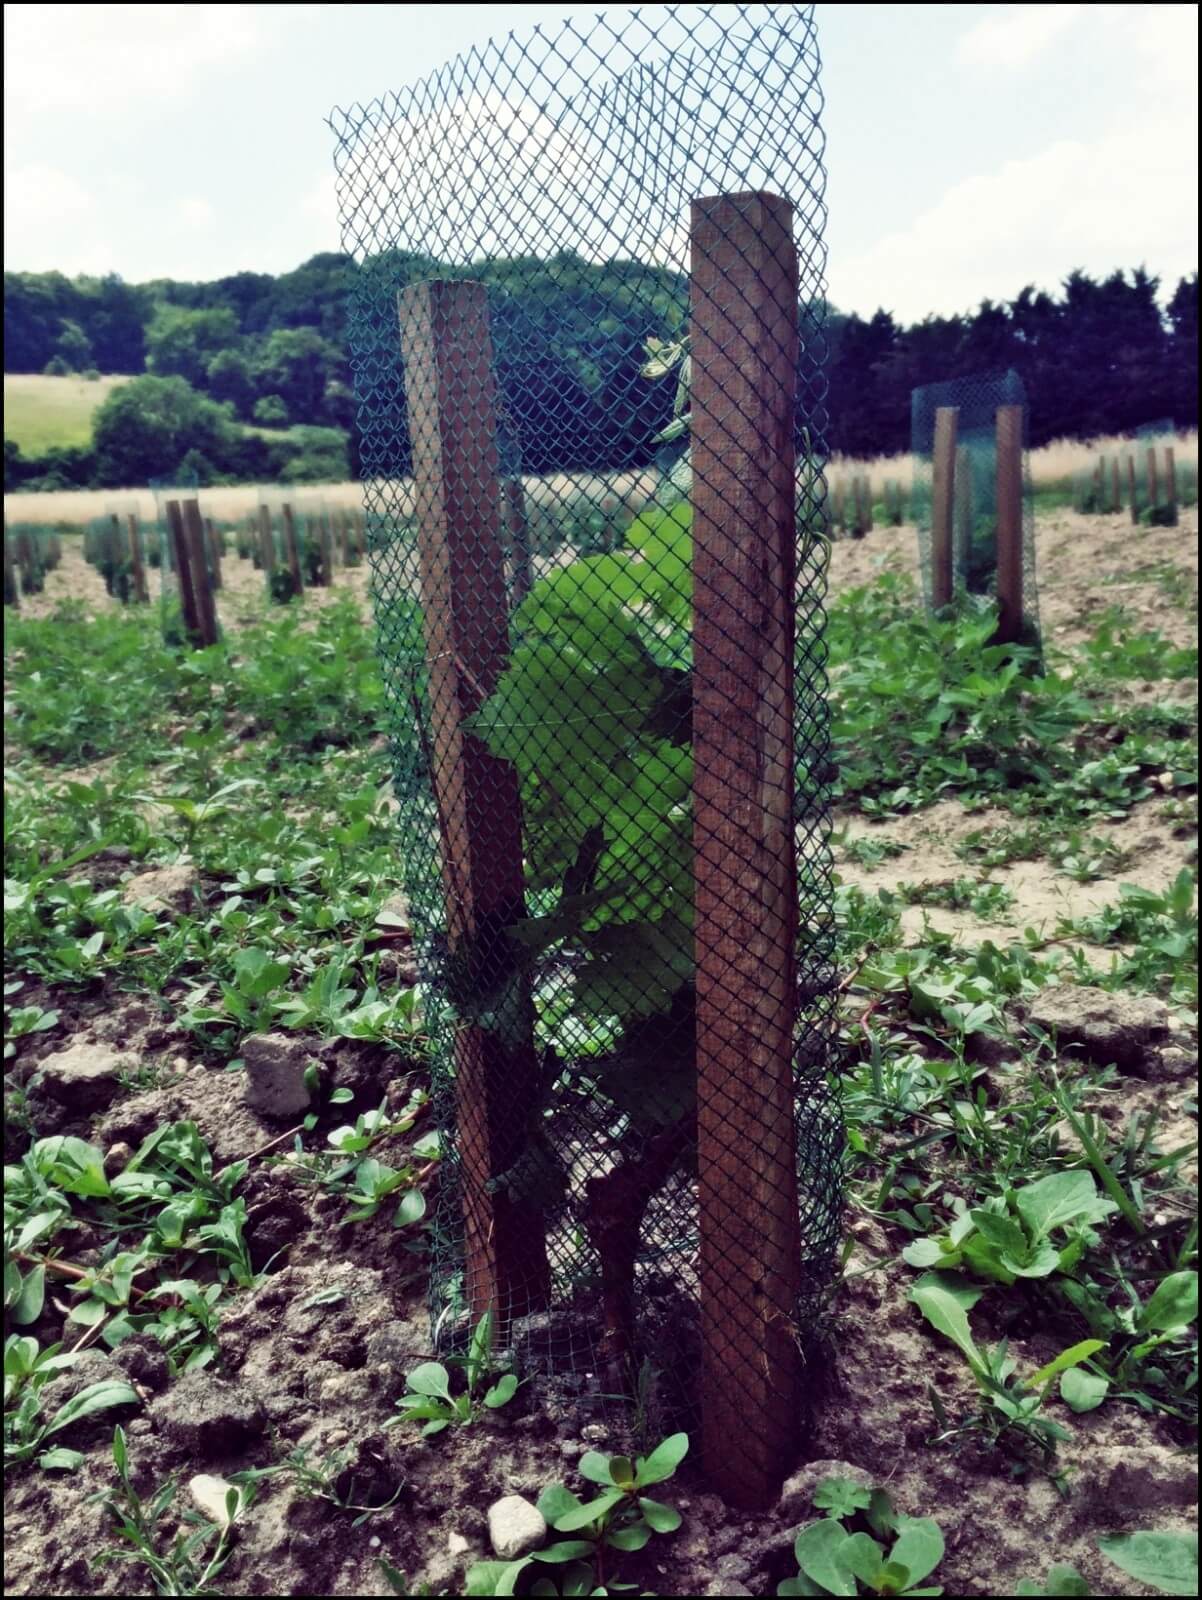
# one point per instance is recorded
(1165, 1066)
(163, 889)
(570, 1449)
(84, 1077)
(275, 1075)
(457, 1545)
(208, 1416)
(515, 1527)
(117, 1157)
(796, 1502)
(593, 1433)
(209, 1495)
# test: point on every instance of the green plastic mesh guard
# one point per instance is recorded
(974, 497)
(549, 820)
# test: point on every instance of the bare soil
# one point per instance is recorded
(323, 1374)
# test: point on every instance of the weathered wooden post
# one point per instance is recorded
(327, 550)
(452, 406)
(1153, 481)
(11, 595)
(1132, 491)
(1009, 524)
(266, 542)
(1116, 493)
(183, 571)
(744, 342)
(517, 529)
(943, 482)
(292, 549)
(965, 510)
(213, 544)
(869, 524)
(1099, 484)
(1170, 484)
(138, 566)
(202, 588)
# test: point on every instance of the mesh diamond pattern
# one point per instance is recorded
(598, 538)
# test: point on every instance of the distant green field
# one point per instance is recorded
(46, 413)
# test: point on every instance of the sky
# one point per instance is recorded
(971, 149)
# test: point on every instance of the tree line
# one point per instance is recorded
(227, 366)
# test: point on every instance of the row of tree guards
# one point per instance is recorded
(293, 548)
(1146, 482)
(30, 552)
(853, 511)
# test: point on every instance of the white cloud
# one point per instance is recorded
(196, 214)
(66, 219)
(1013, 37)
(1126, 198)
(119, 59)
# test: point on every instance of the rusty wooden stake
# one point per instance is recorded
(452, 402)
(1153, 481)
(11, 595)
(183, 571)
(327, 550)
(943, 482)
(1132, 490)
(1170, 484)
(517, 529)
(1009, 524)
(141, 587)
(292, 549)
(965, 507)
(198, 558)
(744, 343)
(213, 544)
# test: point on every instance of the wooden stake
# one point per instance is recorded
(202, 588)
(744, 342)
(1009, 524)
(1170, 484)
(344, 543)
(965, 508)
(1153, 481)
(869, 524)
(1116, 493)
(327, 550)
(943, 480)
(452, 403)
(213, 542)
(141, 587)
(1132, 494)
(292, 550)
(11, 595)
(183, 571)
(518, 537)
(266, 541)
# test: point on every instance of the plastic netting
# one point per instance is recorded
(611, 739)
(976, 402)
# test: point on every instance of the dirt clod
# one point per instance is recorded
(206, 1417)
(84, 1077)
(1120, 1030)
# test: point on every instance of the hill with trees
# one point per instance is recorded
(247, 376)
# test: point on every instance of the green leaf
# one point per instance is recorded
(919, 1547)
(1061, 1581)
(595, 1467)
(502, 1392)
(930, 1253)
(629, 1539)
(1165, 1561)
(566, 1550)
(664, 1519)
(1003, 1233)
(1174, 1304)
(431, 1378)
(841, 1497)
(411, 1209)
(60, 1460)
(817, 1548)
(584, 1515)
(1059, 1199)
(863, 1558)
(1083, 1391)
(556, 1501)
(494, 1577)
(946, 1308)
(663, 1460)
(27, 1307)
(100, 1396)
(1071, 1357)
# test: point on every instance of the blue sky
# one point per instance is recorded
(970, 148)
